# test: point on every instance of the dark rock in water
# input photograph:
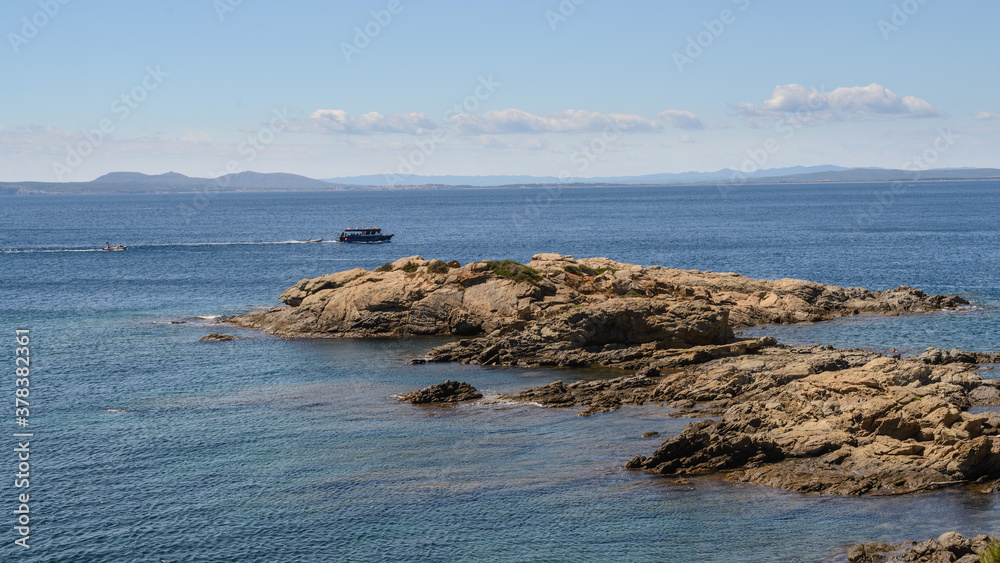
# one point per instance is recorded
(215, 337)
(598, 396)
(650, 434)
(872, 552)
(936, 357)
(447, 392)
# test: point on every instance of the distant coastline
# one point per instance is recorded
(174, 183)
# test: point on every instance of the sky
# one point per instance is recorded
(580, 88)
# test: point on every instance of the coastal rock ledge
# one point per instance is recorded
(809, 419)
(611, 301)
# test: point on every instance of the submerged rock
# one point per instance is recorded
(447, 392)
(216, 337)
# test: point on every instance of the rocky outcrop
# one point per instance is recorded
(950, 546)
(399, 299)
(447, 392)
(598, 396)
(936, 357)
(216, 337)
(624, 333)
(811, 419)
(557, 308)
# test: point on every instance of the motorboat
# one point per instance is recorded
(363, 234)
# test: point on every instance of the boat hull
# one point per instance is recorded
(370, 239)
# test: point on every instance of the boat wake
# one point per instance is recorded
(162, 245)
(47, 250)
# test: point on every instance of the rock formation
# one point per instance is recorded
(447, 392)
(950, 546)
(413, 296)
(216, 337)
(810, 419)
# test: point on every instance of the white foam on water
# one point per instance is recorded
(158, 245)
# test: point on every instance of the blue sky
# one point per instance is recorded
(593, 88)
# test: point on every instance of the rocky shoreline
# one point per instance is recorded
(810, 419)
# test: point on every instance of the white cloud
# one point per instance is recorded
(681, 119)
(570, 121)
(339, 121)
(842, 104)
(983, 115)
(689, 139)
(507, 121)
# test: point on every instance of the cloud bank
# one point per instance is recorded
(681, 119)
(842, 104)
(496, 122)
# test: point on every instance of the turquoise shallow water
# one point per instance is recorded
(282, 450)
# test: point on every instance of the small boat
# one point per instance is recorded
(363, 234)
(314, 240)
(115, 247)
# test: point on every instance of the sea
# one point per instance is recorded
(149, 446)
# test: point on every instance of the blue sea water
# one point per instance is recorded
(151, 446)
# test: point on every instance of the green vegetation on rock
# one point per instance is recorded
(583, 270)
(410, 267)
(516, 271)
(992, 552)
(437, 267)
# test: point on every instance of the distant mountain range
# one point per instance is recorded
(655, 179)
(136, 182)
